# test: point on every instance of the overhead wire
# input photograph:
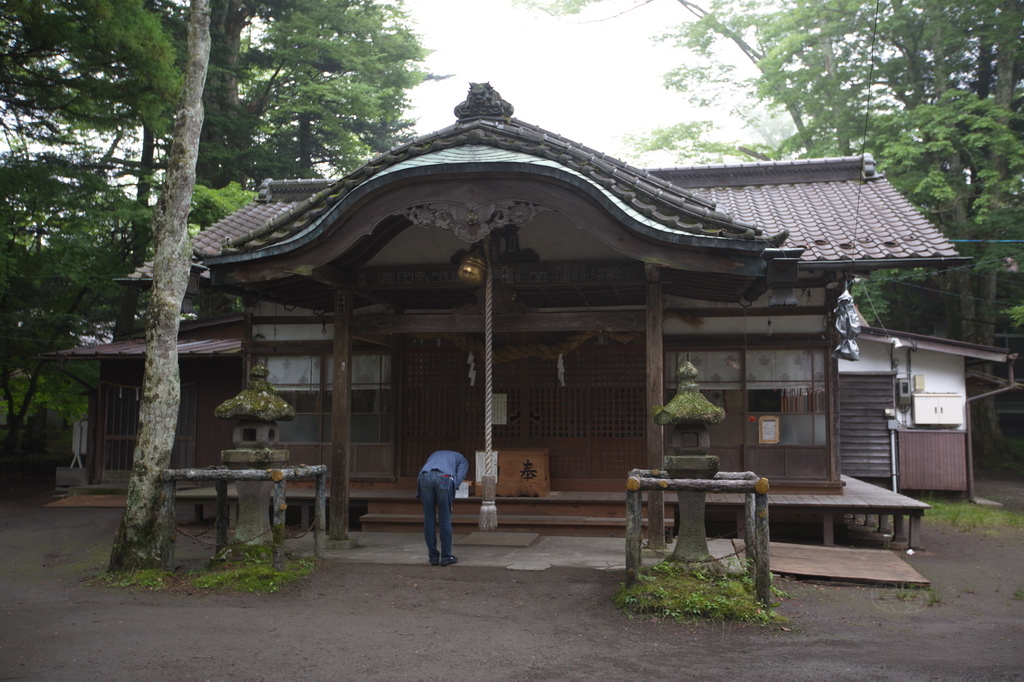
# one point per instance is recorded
(867, 113)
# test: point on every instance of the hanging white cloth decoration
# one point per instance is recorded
(471, 361)
(561, 371)
(848, 326)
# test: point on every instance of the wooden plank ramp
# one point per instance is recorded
(841, 564)
(89, 501)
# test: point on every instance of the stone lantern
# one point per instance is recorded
(258, 408)
(690, 413)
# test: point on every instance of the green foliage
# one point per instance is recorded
(969, 517)
(672, 591)
(316, 88)
(82, 65)
(245, 576)
(1016, 314)
(149, 579)
(931, 89)
(87, 93)
(210, 205)
(906, 300)
(79, 80)
(63, 234)
(688, 143)
(253, 576)
(557, 6)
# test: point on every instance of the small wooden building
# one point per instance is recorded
(605, 278)
(904, 408)
(211, 367)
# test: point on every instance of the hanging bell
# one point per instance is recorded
(472, 269)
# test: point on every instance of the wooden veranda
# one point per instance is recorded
(601, 514)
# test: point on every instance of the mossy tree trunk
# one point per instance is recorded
(144, 538)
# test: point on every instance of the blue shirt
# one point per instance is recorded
(448, 462)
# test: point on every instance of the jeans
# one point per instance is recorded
(436, 491)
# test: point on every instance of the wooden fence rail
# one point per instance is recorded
(756, 489)
(280, 477)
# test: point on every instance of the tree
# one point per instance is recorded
(62, 228)
(304, 88)
(87, 90)
(78, 65)
(934, 90)
(77, 77)
(144, 538)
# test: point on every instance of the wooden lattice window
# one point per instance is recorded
(121, 427)
(594, 425)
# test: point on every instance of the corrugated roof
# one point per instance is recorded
(136, 348)
(940, 345)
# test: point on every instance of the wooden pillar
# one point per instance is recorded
(899, 530)
(340, 415)
(827, 531)
(914, 535)
(655, 396)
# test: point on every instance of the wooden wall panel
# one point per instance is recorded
(932, 460)
(217, 379)
(864, 438)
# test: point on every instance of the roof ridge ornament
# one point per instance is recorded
(483, 101)
(472, 224)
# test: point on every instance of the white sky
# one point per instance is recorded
(590, 81)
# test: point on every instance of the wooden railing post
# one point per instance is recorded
(321, 515)
(762, 570)
(170, 487)
(634, 529)
(755, 490)
(223, 516)
(750, 527)
(278, 530)
(280, 477)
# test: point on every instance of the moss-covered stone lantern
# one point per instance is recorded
(690, 413)
(257, 408)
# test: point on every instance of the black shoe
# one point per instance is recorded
(435, 562)
(449, 560)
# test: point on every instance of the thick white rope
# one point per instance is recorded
(488, 511)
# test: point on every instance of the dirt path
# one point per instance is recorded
(370, 622)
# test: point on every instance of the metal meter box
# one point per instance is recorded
(903, 392)
(938, 409)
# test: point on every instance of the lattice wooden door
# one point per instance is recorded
(594, 425)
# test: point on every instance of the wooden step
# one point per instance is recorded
(544, 524)
(510, 506)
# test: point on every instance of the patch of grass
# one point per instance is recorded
(238, 576)
(967, 516)
(905, 592)
(252, 576)
(150, 579)
(670, 590)
(1019, 594)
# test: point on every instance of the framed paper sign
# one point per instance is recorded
(768, 429)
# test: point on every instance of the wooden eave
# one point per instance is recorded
(331, 236)
(334, 249)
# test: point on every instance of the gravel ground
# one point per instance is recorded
(381, 622)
